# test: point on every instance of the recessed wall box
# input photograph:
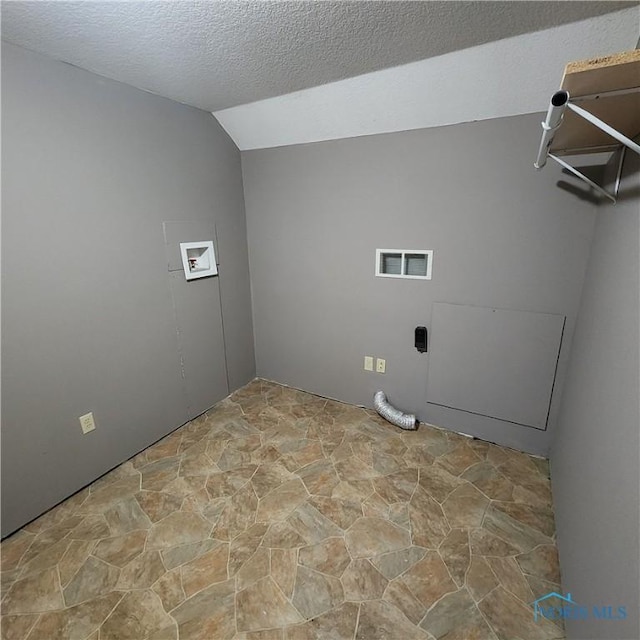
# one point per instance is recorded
(198, 259)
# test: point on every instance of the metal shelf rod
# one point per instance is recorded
(559, 102)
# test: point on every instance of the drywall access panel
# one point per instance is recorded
(198, 318)
(596, 110)
(492, 367)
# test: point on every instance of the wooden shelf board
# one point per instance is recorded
(622, 112)
(619, 71)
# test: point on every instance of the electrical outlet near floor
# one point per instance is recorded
(368, 363)
(381, 365)
(87, 423)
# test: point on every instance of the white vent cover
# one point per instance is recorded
(414, 264)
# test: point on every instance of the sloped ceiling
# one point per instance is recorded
(504, 78)
(219, 55)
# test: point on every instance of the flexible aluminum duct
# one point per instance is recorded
(393, 415)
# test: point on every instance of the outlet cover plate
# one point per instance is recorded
(87, 423)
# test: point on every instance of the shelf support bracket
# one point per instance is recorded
(627, 142)
(581, 175)
(559, 102)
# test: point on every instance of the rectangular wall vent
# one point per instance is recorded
(404, 263)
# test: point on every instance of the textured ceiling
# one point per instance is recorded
(214, 55)
(503, 78)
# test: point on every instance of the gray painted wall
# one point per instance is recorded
(494, 363)
(595, 466)
(90, 170)
(503, 236)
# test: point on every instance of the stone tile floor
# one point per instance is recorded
(280, 515)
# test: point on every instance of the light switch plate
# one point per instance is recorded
(368, 363)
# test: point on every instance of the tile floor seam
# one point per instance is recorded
(444, 514)
(324, 573)
(60, 583)
(516, 596)
(410, 590)
(446, 566)
(235, 607)
(428, 609)
(177, 626)
(24, 553)
(184, 593)
(493, 573)
(484, 515)
(466, 573)
(33, 625)
(110, 612)
(486, 595)
(491, 627)
(355, 630)
(489, 498)
(484, 511)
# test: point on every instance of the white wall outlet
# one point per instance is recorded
(368, 363)
(87, 423)
(381, 365)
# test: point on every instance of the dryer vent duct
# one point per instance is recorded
(393, 415)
